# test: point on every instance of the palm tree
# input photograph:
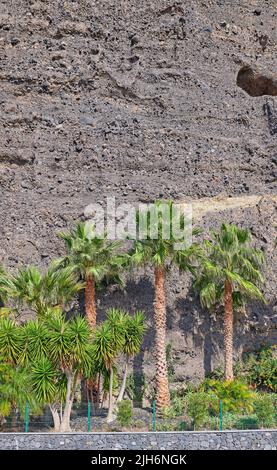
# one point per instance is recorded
(229, 273)
(161, 252)
(133, 335)
(39, 291)
(93, 259)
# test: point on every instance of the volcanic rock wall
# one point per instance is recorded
(140, 100)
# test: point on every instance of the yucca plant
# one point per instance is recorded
(134, 330)
(57, 352)
(229, 274)
(107, 345)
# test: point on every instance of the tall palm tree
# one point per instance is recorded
(39, 291)
(133, 335)
(93, 259)
(229, 273)
(160, 252)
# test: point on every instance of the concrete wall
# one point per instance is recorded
(258, 439)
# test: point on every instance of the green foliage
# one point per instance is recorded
(16, 389)
(177, 407)
(125, 412)
(247, 422)
(235, 395)
(54, 351)
(9, 336)
(232, 421)
(106, 379)
(136, 386)
(265, 409)
(157, 243)
(41, 291)
(90, 255)
(228, 256)
(261, 369)
(166, 425)
(43, 381)
(109, 339)
(134, 329)
(198, 405)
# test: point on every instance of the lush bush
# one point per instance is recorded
(260, 369)
(166, 425)
(213, 421)
(265, 409)
(232, 421)
(125, 413)
(247, 422)
(235, 395)
(177, 407)
(183, 426)
(15, 390)
(136, 387)
(198, 407)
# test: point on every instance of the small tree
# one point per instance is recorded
(265, 409)
(57, 351)
(134, 330)
(198, 407)
(125, 413)
(107, 345)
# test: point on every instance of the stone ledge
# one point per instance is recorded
(189, 440)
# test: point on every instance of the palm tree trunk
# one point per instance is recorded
(90, 305)
(110, 412)
(90, 301)
(228, 331)
(123, 385)
(162, 392)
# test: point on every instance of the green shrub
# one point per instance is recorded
(235, 395)
(260, 369)
(228, 421)
(198, 405)
(247, 422)
(177, 407)
(265, 409)
(231, 421)
(183, 426)
(125, 412)
(166, 425)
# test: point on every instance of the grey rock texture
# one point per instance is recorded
(139, 100)
(233, 440)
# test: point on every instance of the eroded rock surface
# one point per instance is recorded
(138, 100)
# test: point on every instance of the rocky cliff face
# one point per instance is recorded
(140, 100)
